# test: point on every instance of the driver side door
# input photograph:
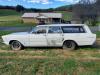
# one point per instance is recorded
(38, 38)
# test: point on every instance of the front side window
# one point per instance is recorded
(39, 30)
(54, 29)
(73, 29)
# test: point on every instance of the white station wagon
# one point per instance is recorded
(67, 36)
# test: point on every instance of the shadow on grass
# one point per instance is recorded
(94, 47)
(60, 48)
(43, 48)
(5, 47)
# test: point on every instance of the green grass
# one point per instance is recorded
(98, 34)
(5, 32)
(10, 18)
(28, 63)
(48, 67)
(96, 55)
(16, 24)
(6, 12)
(36, 67)
(13, 20)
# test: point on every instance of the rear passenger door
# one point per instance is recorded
(54, 36)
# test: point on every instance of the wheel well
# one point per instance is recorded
(71, 40)
(12, 41)
(16, 40)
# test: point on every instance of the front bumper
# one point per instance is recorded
(5, 43)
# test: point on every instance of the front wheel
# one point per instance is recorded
(15, 45)
(69, 45)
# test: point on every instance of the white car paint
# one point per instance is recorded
(29, 39)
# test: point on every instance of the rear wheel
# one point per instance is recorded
(69, 45)
(16, 45)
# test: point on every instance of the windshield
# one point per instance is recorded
(33, 29)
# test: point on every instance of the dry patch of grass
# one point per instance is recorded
(51, 54)
(49, 62)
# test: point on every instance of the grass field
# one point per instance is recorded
(49, 61)
(38, 66)
(6, 12)
(10, 18)
(13, 20)
(98, 34)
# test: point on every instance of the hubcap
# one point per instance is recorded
(69, 44)
(16, 45)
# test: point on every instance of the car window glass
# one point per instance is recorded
(40, 30)
(73, 29)
(34, 30)
(54, 29)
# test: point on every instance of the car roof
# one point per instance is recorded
(63, 25)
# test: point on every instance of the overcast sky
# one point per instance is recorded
(38, 3)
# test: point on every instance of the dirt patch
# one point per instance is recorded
(23, 57)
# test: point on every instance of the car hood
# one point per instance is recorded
(14, 34)
(19, 33)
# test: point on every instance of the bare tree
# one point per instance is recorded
(87, 1)
(84, 1)
(97, 6)
(86, 10)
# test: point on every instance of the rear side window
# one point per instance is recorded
(73, 29)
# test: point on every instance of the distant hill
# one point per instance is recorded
(64, 8)
(20, 8)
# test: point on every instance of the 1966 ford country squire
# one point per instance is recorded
(67, 36)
